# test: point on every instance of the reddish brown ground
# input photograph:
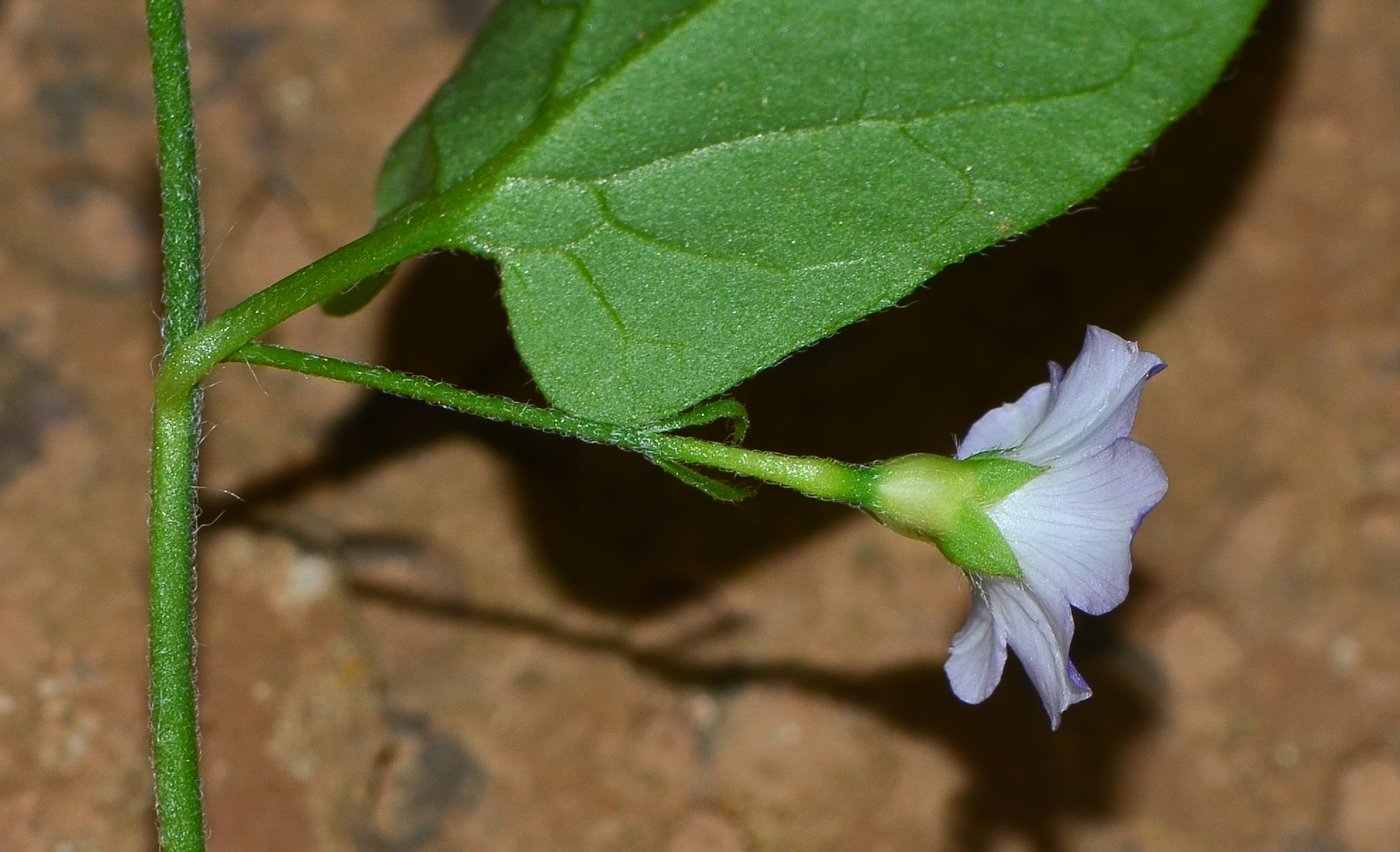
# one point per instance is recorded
(422, 633)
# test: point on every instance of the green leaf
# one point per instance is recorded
(680, 194)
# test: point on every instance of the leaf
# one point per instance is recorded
(680, 194)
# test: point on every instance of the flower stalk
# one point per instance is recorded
(816, 477)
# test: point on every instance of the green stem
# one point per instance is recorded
(445, 395)
(816, 477)
(179, 175)
(174, 712)
(415, 233)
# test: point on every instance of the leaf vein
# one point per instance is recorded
(900, 123)
(570, 41)
(681, 248)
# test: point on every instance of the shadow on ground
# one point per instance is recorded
(620, 537)
(1023, 777)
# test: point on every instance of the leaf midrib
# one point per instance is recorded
(467, 195)
(474, 187)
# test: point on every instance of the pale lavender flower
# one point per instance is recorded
(1069, 528)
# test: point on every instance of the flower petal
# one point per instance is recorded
(1006, 425)
(1039, 629)
(978, 654)
(1071, 528)
(1095, 403)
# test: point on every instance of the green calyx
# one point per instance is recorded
(944, 501)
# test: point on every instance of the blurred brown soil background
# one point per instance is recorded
(421, 632)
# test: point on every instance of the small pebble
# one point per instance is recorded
(1344, 655)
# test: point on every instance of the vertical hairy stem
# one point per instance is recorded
(179, 176)
(174, 711)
